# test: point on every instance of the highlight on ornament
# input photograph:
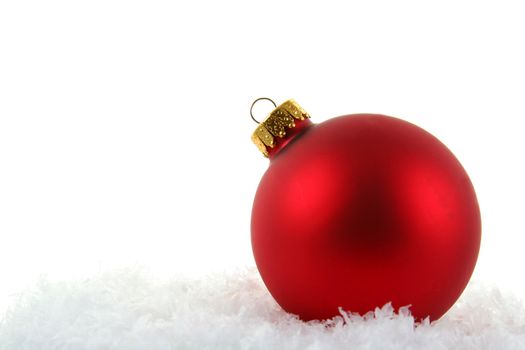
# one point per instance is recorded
(359, 211)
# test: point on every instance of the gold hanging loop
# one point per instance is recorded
(257, 100)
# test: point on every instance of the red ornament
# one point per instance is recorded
(359, 211)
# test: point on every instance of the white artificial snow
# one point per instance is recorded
(128, 310)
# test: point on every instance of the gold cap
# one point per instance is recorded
(276, 124)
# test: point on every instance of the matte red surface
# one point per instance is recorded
(362, 210)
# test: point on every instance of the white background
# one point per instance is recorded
(125, 133)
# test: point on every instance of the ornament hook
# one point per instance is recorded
(257, 100)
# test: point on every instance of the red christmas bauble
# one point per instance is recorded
(359, 211)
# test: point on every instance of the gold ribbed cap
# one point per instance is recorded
(277, 124)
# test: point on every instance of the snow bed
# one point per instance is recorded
(128, 309)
